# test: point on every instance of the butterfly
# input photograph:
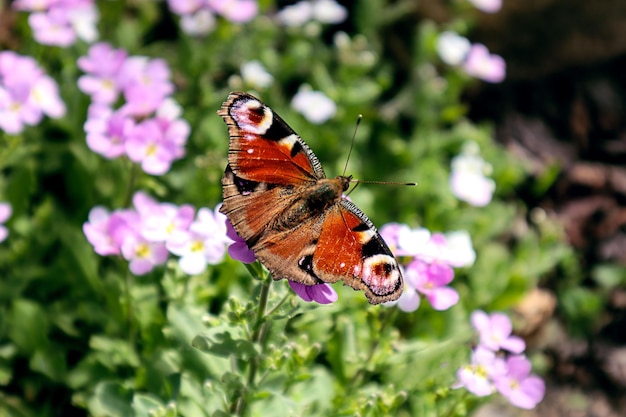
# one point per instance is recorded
(278, 199)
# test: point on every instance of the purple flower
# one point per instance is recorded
(238, 250)
(5, 212)
(102, 66)
(481, 64)
(321, 293)
(204, 243)
(495, 332)
(521, 388)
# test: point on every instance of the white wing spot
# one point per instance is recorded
(365, 236)
(250, 151)
(288, 142)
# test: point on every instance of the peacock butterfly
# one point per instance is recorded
(296, 221)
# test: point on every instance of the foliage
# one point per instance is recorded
(81, 335)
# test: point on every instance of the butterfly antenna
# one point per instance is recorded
(356, 127)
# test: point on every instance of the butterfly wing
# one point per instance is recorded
(263, 148)
(342, 244)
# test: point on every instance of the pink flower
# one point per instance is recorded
(107, 232)
(143, 255)
(146, 83)
(236, 11)
(431, 279)
(107, 130)
(149, 146)
(61, 22)
(165, 220)
(52, 28)
(521, 388)
(5, 212)
(321, 293)
(495, 332)
(102, 66)
(26, 93)
(204, 243)
(478, 376)
(481, 64)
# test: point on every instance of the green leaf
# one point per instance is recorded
(113, 400)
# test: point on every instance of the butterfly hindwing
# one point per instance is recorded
(351, 249)
(279, 200)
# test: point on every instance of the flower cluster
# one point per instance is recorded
(147, 233)
(197, 17)
(428, 260)
(5, 213)
(468, 180)
(147, 127)
(475, 59)
(26, 93)
(61, 22)
(322, 11)
(238, 250)
(498, 364)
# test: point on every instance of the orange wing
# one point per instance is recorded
(263, 148)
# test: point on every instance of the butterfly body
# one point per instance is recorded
(278, 199)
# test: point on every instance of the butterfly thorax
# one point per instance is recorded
(312, 200)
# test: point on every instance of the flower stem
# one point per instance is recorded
(259, 332)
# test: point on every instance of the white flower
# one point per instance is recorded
(199, 23)
(323, 11)
(315, 106)
(329, 11)
(452, 47)
(487, 6)
(255, 74)
(468, 181)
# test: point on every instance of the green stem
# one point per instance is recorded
(259, 331)
(389, 315)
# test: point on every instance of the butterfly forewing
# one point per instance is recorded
(263, 147)
(278, 199)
